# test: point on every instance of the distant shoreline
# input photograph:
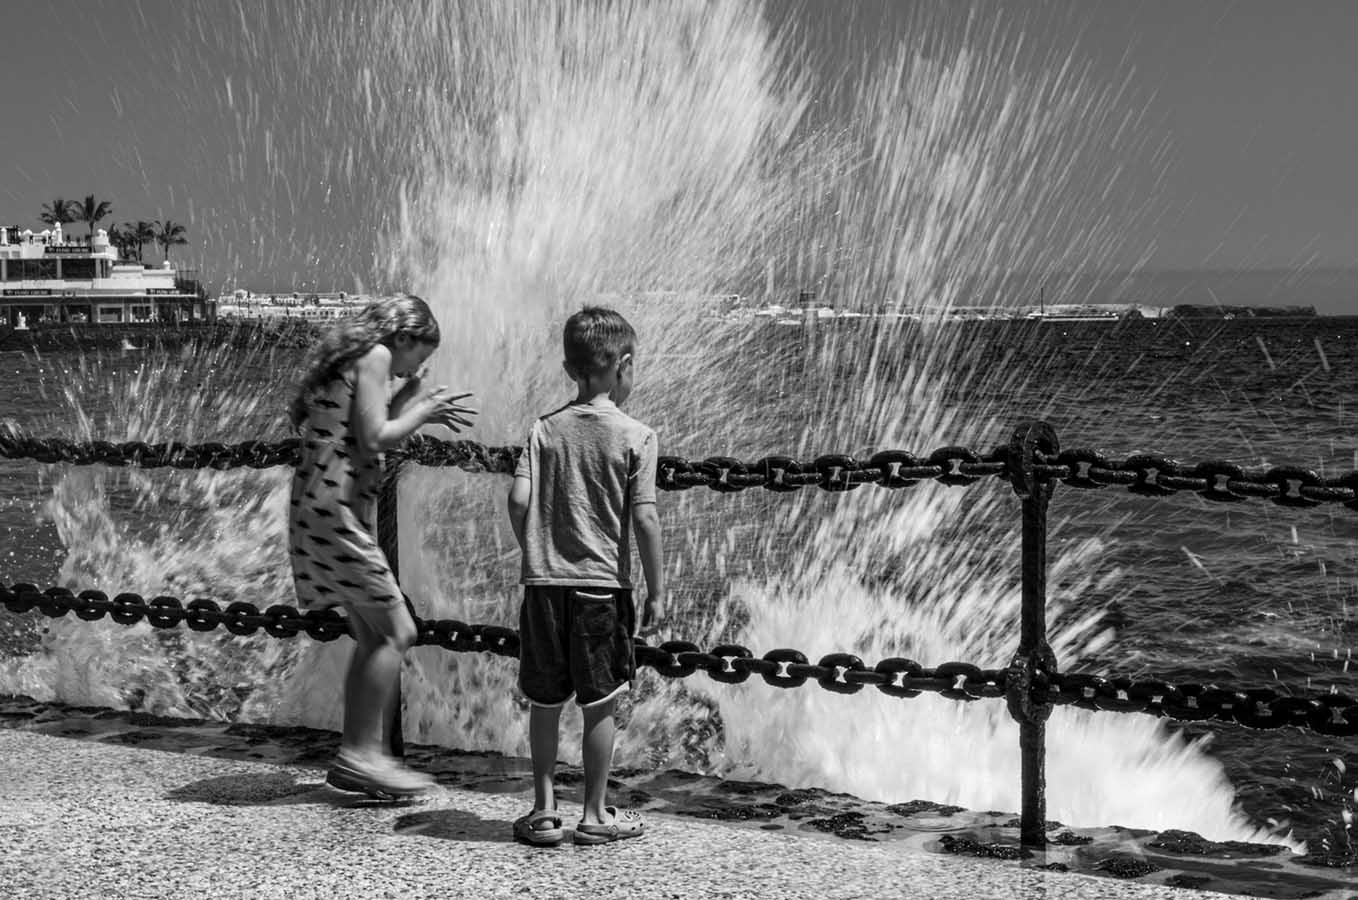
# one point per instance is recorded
(116, 336)
(300, 333)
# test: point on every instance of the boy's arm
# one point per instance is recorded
(646, 523)
(519, 493)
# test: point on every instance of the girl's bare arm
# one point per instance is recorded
(374, 426)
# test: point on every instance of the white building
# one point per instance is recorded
(242, 304)
(51, 277)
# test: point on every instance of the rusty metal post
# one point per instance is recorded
(1034, 659)
(389, 539)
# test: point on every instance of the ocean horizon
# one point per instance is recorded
(1330, 290)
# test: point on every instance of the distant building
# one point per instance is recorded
(243, 304)
(50, 277)
(713, 304)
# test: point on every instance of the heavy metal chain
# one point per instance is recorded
(1261, 708)
(1151, 475)
(842, 673)
(729, 663)
(253, 454)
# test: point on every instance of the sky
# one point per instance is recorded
(1247, 109)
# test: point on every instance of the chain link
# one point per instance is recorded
(1146, 474)
(1259, 708)
(841, 673)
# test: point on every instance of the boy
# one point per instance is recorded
(587, 474)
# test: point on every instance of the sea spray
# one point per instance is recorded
(527, 159)
(949, 186)
(187, 533)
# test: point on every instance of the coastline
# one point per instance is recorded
(813, 823)
(300, 333)
(141, 336)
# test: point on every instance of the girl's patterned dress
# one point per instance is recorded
(333, 536)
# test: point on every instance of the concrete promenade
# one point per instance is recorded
(82, 818)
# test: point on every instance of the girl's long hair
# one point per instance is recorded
(351, 337)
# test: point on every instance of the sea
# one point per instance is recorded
(1175, 587)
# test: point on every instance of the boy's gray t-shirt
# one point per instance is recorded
(589, 465)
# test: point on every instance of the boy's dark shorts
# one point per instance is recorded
(575, 641)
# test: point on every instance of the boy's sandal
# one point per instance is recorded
(541, 828)
(627, 823)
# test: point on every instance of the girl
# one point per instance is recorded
(349, 420)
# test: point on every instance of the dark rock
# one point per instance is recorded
(846, 825)
(797, 797)
(1070, 838)
(723, 811)
(1191, 844)
(1049, 825)
(1125, 866)
(914, 807)
(968, 847)
(1187, 881)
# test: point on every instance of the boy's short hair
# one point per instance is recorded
(595, 339)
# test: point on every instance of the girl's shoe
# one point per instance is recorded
(627, 823)
(382, 778)
(541, 828)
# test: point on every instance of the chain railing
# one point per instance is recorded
(1032, 685)
(1142, 473)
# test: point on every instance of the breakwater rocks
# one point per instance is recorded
(1174, 858)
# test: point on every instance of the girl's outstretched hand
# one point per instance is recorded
(443, 409)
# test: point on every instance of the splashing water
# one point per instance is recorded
(535, 157)
(186, 533)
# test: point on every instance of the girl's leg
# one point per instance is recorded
(382, 636)
(543, 728)
(597, 753)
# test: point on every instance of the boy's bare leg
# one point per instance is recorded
(382, 638)
(597, 753)
(543, 726)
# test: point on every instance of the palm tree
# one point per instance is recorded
(169, 234)
(127, 234)
(119, 237)
(91, 211)
(58, 212)
(143, 233)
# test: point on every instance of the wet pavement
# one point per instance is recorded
(111, 803)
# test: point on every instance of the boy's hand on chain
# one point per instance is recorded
(651, 613)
